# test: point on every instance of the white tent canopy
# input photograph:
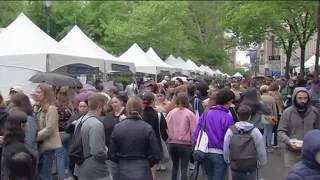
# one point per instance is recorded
(194, 66)
(219, 72)
(178, 63)
(210, 70)
(152, 54)
(80, 43)
(237, 75)
(25, 45)
(206, 69)
(25, 50)
(143, 63)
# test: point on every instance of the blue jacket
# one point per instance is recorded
(307, 168)
(31, 135)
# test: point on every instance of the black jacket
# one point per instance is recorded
(12, 148)
(109, 121)
(134, 139)
(69, 127)
(151, 117)
(3, 118)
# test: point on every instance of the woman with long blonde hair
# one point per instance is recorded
(48, 135)
(65, 111)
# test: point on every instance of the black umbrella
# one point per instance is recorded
(204, 77)
(55, 80)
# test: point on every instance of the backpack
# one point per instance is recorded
(76, 154)
(243, 153)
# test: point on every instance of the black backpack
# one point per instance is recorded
(243, 153)
(76, 148)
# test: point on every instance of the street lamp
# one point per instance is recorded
(47, 5)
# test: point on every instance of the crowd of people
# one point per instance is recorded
(131, 134)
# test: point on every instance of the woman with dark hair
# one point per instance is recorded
(181, 123)
(133, 145)
(288, 90)
(83, 109)
(251, 99)
(156, 120)
(21, 102)
(161, 104)
(13, 142)
(111, 119)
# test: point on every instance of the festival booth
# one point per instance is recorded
(237, 75)
(194, 66)
(143, 63)
(153, 55)
(25, 50)
(80, 43)
(178, 63)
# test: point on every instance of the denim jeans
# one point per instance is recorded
(62, 157)
(244, 175)
(267, 134)
(215, 166)
(180, 156)
(45, 164)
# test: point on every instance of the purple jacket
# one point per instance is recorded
(218, 122)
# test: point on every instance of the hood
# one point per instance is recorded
(311, 145)
(244, 125)
(295, 92)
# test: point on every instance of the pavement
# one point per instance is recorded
(273, 170)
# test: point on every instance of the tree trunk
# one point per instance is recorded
(288, 55)
(302, 59)
(316, 64)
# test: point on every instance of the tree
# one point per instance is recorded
(299, 16)
(289, 22)
(9, 11)
(151, 24)
(210, 40)
(63, 16)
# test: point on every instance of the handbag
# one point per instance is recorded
(163, 143)
(202, 142)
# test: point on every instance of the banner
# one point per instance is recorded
(253, 57)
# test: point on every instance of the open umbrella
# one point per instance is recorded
(55, 80)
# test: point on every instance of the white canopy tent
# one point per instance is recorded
(152, 54)
(227, 75)
(143, 63)
(206, 69)
(80, 43)
(25, 50)
(178, 63)
(194, 66)
(237, 75)
(219, 72)
(210, 70)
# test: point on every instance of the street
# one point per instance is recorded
(273, 170)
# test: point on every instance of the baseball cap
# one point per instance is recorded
(17, 89)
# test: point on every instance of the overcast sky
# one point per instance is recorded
(242, 57)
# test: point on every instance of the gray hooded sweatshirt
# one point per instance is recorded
(293, 126)
(257, 137)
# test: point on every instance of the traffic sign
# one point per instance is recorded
(274, 57)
